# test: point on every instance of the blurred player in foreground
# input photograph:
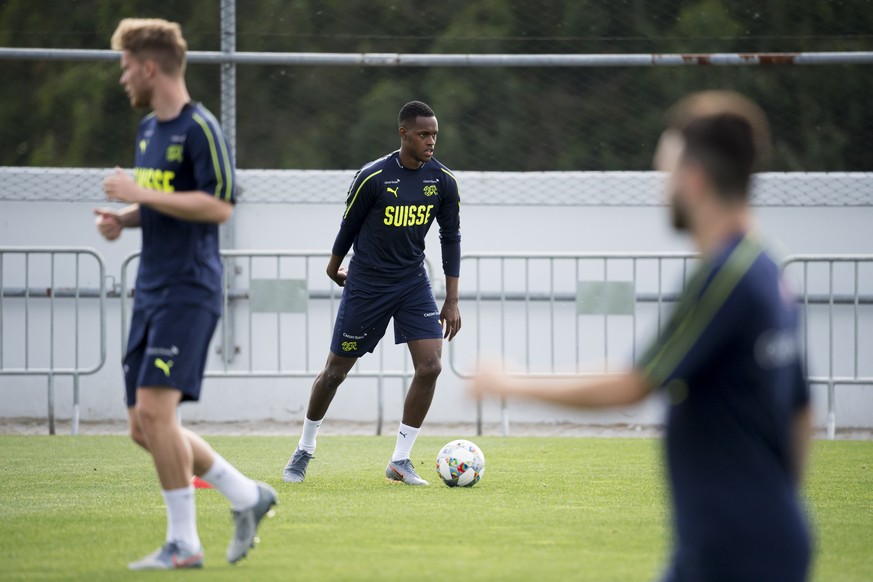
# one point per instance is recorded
(728, 362)
(184, 187)
(391, 205)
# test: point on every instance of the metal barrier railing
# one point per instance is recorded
(18, 300)
(541, 309)
(835, 301)
(280, 294)
(524, 301)
(522, 304)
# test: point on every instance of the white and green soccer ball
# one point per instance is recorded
(460, 464)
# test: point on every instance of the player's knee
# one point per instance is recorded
(334, 375)
(136, 433)
(137, 436)
(429, 369)
(150, 418)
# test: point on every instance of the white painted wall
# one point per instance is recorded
(313, 226)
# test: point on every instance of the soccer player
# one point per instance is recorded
(728, 363)
(183, 188)
(391, 205)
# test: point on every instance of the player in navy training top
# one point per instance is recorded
(728, 362)
(390, 207)
(183, 187)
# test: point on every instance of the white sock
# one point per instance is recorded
(307, 439)
(406, 436)
(241, 491)
(182, 518)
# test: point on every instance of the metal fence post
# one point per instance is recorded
(74, 423)
(228, 126)
(51, 402)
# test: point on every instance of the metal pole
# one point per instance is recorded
(74, 425)
(51, 402)
(228, 126)
(380, 403)
(577, 346)
(278, 320)
(806, 316)
(226, 316)
(74, 428)
(228, 73)
(51, 379)
(306, 262)
(832, 412)
(1, 310)
(26, 310)
(479, 339)
(552, 314)
(462, 60)
(634, 315)
(855, 343)
(504, 413)
(526, 315)
(250, 326)
(605, 321)
(660, 291)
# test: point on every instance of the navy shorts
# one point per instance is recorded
(168, 346)
(368, 304)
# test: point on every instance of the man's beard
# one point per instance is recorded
(679, 214)
(141, 99)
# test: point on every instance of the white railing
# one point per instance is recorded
(46, 303)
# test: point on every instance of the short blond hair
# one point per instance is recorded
(153, 38)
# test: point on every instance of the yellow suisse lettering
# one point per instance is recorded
(413, 215)
(167, 185)
(160, 181)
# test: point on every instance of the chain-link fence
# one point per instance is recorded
(492, 119)
(792, 189)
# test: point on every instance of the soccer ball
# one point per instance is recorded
(460, 464)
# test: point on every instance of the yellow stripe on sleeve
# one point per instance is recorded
(210, 138)
(355, 197)
(456, 184)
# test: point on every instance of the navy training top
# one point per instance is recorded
(180, 263)
(730, 363)
(389, 210)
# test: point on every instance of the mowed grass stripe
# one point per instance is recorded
(546, 509)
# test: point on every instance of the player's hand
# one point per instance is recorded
(340, 277)
(120, 187)
(450, 319)
(108, 223)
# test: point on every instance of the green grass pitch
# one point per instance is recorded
(81, 508)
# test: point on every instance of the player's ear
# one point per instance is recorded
(402, 132)
(150, 67)
(668, 152)
(696, 180)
